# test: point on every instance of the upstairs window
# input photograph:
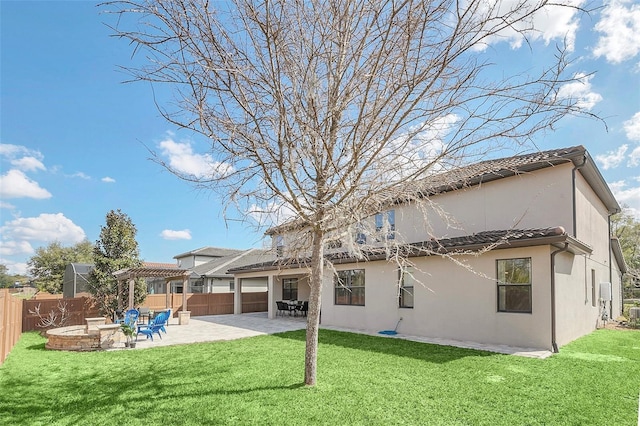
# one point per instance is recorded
(386, 222)
(514, 285)
(279, 243)
(349, 287)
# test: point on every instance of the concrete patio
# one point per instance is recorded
(229, 327)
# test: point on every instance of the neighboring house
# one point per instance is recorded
(209, 266)
(212, 276)
(202, 255)
(550, 275)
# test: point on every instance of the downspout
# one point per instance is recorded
(554, 344)
(573, 192)
(611, 268)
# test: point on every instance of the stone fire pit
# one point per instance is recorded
(94, 336)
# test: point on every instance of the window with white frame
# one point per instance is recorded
(289, 289)
(349, 287)
(514, 285)
(407, 280)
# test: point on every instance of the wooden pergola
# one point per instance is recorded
(169, 274)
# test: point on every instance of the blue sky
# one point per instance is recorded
(73, 136)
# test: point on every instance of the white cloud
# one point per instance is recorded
(45, 228)
(612, 159)
(580, 91)
(13, 152)
(628, 196)
(272, 214)
(13, 247)
(80, 175)
(28, 164)
(634, 158)
(108, 179)
(14, 268)
(632, 127)
(15, 184)
(619, 27)
(183, 160)
(552, 22)
(169, 234)
(5, 205)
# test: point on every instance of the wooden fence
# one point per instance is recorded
(18, 315)
(200, 304)
(10, 322)
(79, 308)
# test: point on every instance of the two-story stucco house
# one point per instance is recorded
(550, 275)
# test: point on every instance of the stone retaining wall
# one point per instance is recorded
(96, 335)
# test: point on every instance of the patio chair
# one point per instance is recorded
(155, 326)
(304, 308)
(282, 307)
(130, 318)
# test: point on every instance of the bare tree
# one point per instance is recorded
(332, 110)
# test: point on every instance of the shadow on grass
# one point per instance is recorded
(397, 347)
(122, 387)
(38, 347)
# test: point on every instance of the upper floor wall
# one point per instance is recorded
(543, 198)
(538, 199)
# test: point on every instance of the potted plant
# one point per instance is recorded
(129, 332)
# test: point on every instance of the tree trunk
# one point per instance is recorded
(313, 319)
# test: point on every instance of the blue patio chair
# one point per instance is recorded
(156, 325)
(130, 318)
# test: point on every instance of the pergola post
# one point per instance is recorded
(270, 297)
(167, 294)
(119, 294)
(237, 295)
(185, 289)
(184, 314)
(132, 285)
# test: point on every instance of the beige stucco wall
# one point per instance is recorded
(534, 200)
(453, 303)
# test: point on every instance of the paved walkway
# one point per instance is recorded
(229, 327)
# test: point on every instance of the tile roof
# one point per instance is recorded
(490, 170)
(498, 239)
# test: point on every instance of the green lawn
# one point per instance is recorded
(362, 380)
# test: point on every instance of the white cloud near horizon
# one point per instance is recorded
(619, 27)
(15, 184)
(627, 196)
(12, 247)
(612, 159)
(169, 234)
(108, 179)
(13, 267)
(580, 91)
(183, 159)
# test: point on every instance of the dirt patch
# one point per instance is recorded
(620, 325)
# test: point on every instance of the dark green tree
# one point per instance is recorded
(48, 264)
(627, 229)
(6, 280)
(116, 249)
